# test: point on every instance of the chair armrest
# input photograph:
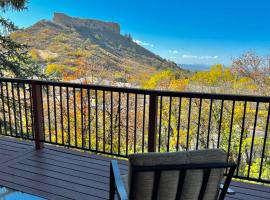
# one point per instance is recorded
(116, 181)
(229, 191)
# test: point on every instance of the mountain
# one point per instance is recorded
(80, 48)
(195, 67)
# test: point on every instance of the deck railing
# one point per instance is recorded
(120, 121)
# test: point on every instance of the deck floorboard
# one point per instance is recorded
(62, 174)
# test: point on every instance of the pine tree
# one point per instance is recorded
(14, 59)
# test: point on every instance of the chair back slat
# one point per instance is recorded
(156, 184)
(206, 174)
(180, 185)
(227, 183)
(132, 183)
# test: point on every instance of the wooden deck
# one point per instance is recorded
(58, 173)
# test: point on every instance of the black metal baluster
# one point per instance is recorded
(9, 111)
(49, 114)
(143, 127)
(160, 123)
(135, 123)
(241, 138)
(230, 135)
(25, 110)
(104, 125)
(82, 127)
(199, 124)
(68, 120)
(31, 110)
(96, 119)
(119, 121)
(220, 122)
(189, 112)
(75, 116)
(14, 109)
(264, 142)
(179, 123)
(209, 124)
(4, 111)
(253, 136)
(111, 122)
(127, 124)
(89, 118)
(55, 116)
(169, 125)
(61, 114)
(20, 109)
(43, 117)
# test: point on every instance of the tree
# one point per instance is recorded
(13, 4)
(255, 67)
(14, 58)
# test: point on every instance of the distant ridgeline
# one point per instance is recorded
(72, 48)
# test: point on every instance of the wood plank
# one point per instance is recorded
(61, 176)
(4, 158)
(13, 140)
(85, 154)
(14, 145)
(251, 193)
(7, 152)
(66, 184)
(92, 163)
(30, 190)
(58, 190)
(59, 164)
(244, 197)
(251, 186)
(81, 157)
(9, 148)
(87, 176)
(93, 167)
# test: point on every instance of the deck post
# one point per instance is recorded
(37, 114)
(152, 127)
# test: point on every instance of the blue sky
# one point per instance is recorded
(185, 31)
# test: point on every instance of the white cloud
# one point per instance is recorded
(188, 56)
(139, 42)
(173, 58)
(173, 51)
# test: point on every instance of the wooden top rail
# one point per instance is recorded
(233, 97)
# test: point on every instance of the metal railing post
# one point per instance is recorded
(153, 109)
(37, 114)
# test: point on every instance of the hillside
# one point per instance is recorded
(72, 48)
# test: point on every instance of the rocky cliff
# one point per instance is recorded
(90, 24)
(73, 44)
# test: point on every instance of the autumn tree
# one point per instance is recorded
(255, 67)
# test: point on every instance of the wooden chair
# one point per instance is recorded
(186, 175)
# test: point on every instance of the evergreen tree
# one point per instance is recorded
(14, 59)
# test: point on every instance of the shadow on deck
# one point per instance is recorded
(59, 173)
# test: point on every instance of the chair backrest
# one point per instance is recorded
(189, 175)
